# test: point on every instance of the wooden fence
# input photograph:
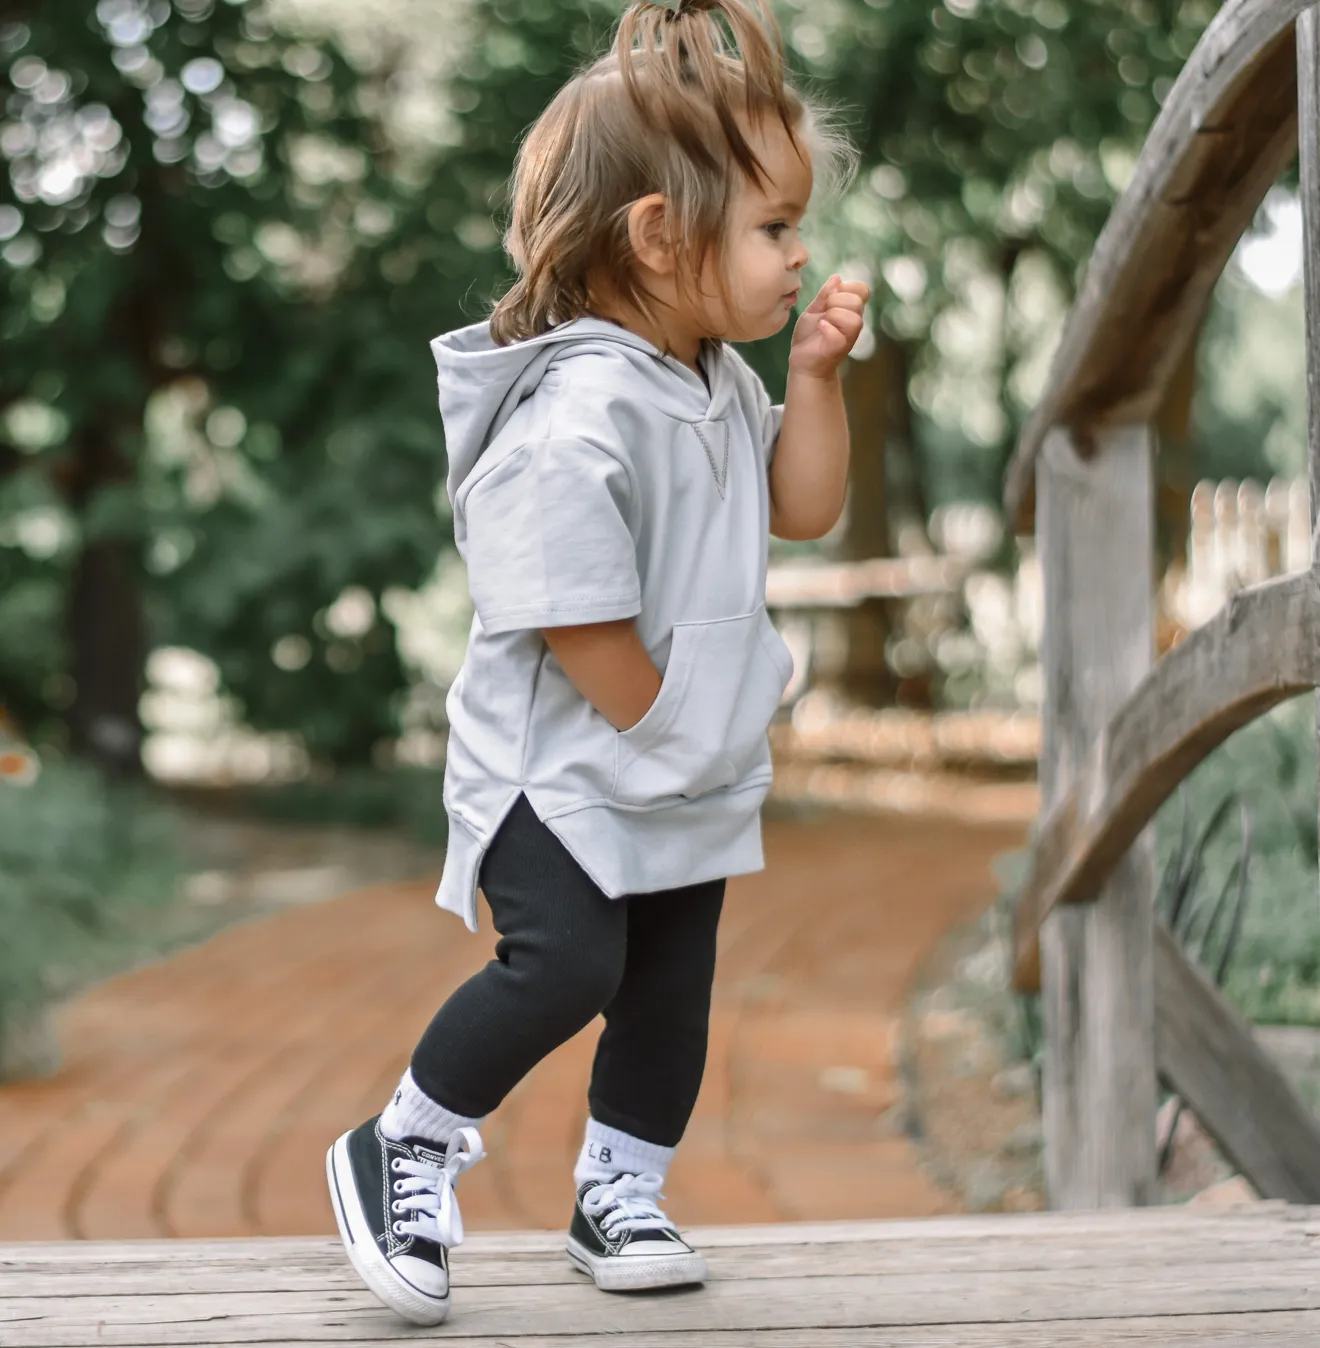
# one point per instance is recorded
(1122, 1006)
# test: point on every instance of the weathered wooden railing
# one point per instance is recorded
(1122, 1006)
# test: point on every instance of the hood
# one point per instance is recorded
(481, 384)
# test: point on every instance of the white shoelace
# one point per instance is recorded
(633, 1198)
(428, 1192)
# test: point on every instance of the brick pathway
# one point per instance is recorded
(199, 1094)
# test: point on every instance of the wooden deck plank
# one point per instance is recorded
(507, 1313)
(1266, 1220)
(1284, 1329)
(737, 1302)
(1163, 1276)
(320, 1265)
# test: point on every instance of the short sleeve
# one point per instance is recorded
(547, 542)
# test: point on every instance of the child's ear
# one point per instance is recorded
(648, 235)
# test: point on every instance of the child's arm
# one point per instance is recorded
(609, 666)
(809, 473)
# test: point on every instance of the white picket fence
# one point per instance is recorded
(1241, 534)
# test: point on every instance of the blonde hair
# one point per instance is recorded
(661, 113)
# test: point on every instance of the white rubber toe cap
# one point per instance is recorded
(429, 1279)
(652, 1249)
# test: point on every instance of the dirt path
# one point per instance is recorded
(199, 1094)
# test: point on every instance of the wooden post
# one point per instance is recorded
(1095, 523)
(1308, 147)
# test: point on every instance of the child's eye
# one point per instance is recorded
(776, 230)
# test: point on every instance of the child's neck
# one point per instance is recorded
(667, 332)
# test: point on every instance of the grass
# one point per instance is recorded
(1264, 778)
(88, 871)
(1236, 856)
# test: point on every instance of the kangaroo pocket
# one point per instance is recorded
(707, 728)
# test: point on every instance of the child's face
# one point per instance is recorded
(763, 253)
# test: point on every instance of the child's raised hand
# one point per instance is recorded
(829, 328)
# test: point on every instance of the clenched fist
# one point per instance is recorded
(829, 328)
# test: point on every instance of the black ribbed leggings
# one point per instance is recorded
(566, 954)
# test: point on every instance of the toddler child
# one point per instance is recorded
(616, 471)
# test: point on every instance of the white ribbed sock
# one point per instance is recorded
(607, 1152)
(412, 1113)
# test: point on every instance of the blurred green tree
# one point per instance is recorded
(210, 411)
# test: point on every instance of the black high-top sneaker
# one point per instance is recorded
(625, 1242)
(397, 1214)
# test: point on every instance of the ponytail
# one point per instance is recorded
(685, 51)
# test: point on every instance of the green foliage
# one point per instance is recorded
(1251, 403)
(82, 869)
(1007, 123)
(1271, 767)
(996, 138)
(405, 798)
(199, 217)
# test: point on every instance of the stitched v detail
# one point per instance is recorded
(719, 463)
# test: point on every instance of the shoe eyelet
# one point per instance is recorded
(398, 1186)
(397, 1228)
(396, 1165)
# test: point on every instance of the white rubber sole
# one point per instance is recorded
(363, 1252)
(637, 1273)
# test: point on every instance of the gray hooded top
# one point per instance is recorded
(593, 478)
